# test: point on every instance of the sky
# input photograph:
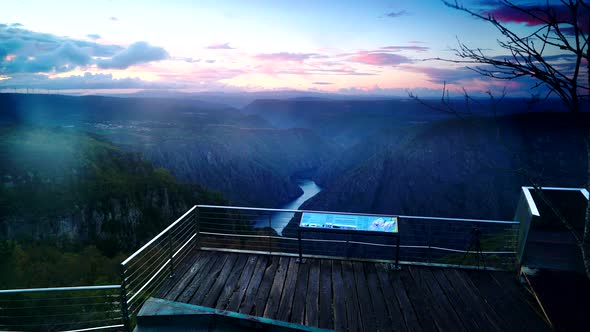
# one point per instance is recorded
(347, 47)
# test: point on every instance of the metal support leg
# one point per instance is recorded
(397, 267)
(300, 259)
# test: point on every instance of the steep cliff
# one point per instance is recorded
(460, 168)
(64, 184)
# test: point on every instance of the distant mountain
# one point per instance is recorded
(457, 168)
(345, 122)
(349, 121)
(219, 147)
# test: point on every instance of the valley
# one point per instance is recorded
(110, 172)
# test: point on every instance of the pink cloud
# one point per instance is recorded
(286, 56)
(406, 48)
(561, 13)
(379, 59)
(223, 46)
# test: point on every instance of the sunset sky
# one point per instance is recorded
(349, 47)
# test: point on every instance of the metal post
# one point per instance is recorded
(171, 253)
(269, 233)
(397, 253)
(124, 305)
(428, 242)
(300, 259)
(197, 229)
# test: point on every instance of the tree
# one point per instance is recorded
(555, 54)
(559, 34)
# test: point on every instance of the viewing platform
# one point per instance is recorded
(217, 268)
(346, 295)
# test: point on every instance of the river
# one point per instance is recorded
(279, 220)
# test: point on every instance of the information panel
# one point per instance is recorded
(349, 222)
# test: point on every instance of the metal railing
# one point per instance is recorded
(424, 240)
(148, 268)
(87, 308)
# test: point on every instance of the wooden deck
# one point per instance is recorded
(354, 296)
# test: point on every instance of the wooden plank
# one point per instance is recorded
(465, 313)
(418, 295)
(274, 297)
(215, 290)
(501, 301)
(313, 294)
(339, 298)
(353, 312)
(391, 301)
(516, 293)
(196, 282)
(364, 297)
(265, 286)
(284, 312)
(410, 317)
(445, 316)
(298, 310)
(326, 317)
(184, 281)
(250, 295)
(379, 306)
(232, 281)
(208, 280)
(179, 273)
(485, 315)
(240, 291)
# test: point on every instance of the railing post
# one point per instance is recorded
(397, 252)
(197, 229)
(300, 259)
(171, 253)
(124, 306)
(269, 233)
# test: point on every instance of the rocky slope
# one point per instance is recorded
(461, 168)
(242, 156)
(65, 184)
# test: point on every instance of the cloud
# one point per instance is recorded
(63, 58)
(322, 83)
(397, 14)
(86, 81)
(224, 46)
(285, 56)
(187, 59)
(35, 52)
(509, 15)
(445, 75)
(379, 59)
(406, 48)
(136, 53)
(93, 36)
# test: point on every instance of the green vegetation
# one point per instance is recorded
(73, 205)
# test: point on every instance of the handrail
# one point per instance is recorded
(154, 263)
(158, 236)
(355, 214)
(79, 308)
(58, 289)
(425, 239)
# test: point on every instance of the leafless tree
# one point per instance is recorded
(554, 53)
